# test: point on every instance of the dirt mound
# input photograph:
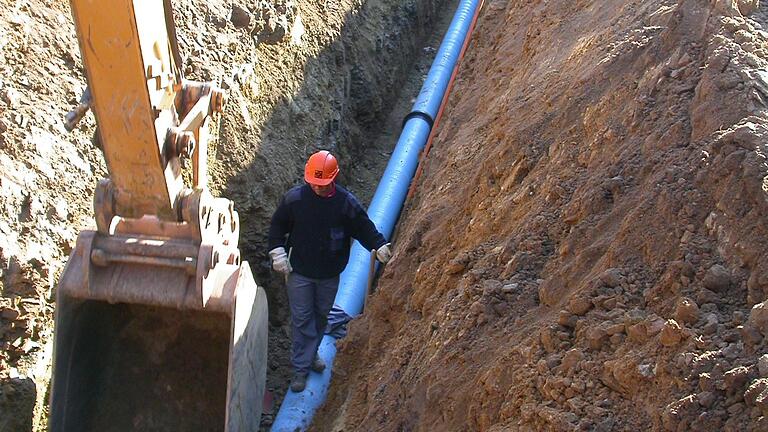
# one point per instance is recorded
(588, 239)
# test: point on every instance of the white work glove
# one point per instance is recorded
(384, 253)
(280, 260)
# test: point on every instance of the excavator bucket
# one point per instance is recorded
(136, 350)
(159, 325)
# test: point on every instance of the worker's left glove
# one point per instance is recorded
(384, 253)
(280, 260)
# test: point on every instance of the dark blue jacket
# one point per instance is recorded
(319, 230)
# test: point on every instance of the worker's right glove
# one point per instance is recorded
(280, 260)
(384, 253)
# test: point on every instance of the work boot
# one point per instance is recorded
(318, 365)
(298, 382)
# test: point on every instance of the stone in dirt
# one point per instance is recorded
(762, 365)
(10, 314)
(687, 311)
(736, 378)
(458, 264)
(596, 337)
(579, 305)
(757, 395)
(612, 277)
(567, 319)
(240, 16)
(747, 7)
(717, 279)
(671, 334)
(12, 97)
(638, 332)
(571, 359)
(758, 318)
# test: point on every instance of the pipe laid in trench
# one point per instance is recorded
(297, 409)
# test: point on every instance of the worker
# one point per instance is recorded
(309, 242)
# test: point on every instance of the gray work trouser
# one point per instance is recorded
(310, 300)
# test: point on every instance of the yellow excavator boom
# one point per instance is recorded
(159, 324)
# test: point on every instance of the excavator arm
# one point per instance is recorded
(159, 324)
(149, 117)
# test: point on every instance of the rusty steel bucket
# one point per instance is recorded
(141, 344)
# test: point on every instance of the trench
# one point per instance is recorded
(362, 132)
(587, 215)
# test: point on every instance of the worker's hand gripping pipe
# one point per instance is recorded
(297, 409)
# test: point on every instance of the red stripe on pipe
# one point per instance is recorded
(443, 103)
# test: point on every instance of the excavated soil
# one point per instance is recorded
(587, 247)
(300, 75)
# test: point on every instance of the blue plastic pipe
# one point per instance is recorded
(297, 409)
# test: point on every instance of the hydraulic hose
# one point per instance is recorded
(297, 409)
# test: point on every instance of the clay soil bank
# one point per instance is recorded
(587, 248)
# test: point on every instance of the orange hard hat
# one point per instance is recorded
(321, 169)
